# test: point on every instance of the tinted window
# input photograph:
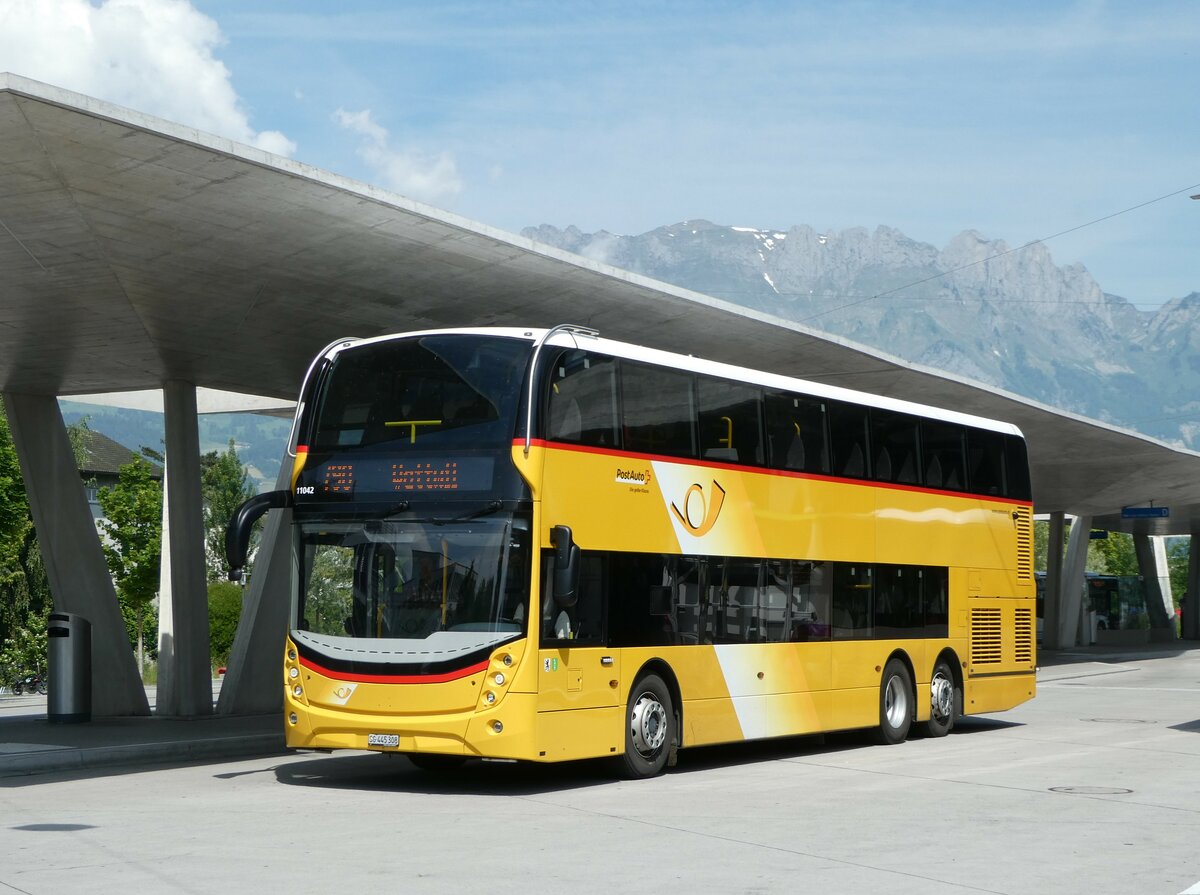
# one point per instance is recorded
(658, 410)
(729, 421)
(1016, 469)
(935, 595)
(942, 455)
(853, 615)
(734, 594)
(796, 432)
(812, 589)
(848, 439)
(894, 443)
(431, 392)
(583, 622)
(985, 462)
(898, 608)
(583, 400)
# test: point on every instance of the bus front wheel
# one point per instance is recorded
(649, 729)
(895, 703)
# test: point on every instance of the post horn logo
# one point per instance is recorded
(699, 513)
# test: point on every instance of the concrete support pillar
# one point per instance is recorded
(79, 579)
(1191, 598)
(1052, 604)
(254, 680)
(1071, 602)
(1162, 624)
(184, 671)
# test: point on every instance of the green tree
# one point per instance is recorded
(133, 542)
(224, 612)
(1114, 555)
(24, 651)
(224, 485)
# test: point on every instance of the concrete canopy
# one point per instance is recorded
(135, 251)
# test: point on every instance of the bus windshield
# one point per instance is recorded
(410, 580)
(419, 394)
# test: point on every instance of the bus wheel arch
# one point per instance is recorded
(897, 699)
(945, 695)
(652, 722)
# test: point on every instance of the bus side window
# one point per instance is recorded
(898, 609)
(582, 405)
(894, 441)
(853, 610)
(985, 461)
(730, 428)
(659, 410)
(848, 439)
(583, 623)
(1016, 469)
(942, 455)
(795, 426)
(935, 597)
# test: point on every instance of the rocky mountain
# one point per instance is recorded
(979, 308)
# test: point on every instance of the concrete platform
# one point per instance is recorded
(30, 744)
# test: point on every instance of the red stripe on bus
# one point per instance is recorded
(763, 470)
(394, 678)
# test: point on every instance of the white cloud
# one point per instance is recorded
(423, 176)
(155, 56)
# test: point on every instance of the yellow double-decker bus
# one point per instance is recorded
(545, 545)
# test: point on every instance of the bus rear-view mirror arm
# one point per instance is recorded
(566, 567)
(237, 534)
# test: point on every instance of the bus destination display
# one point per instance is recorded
(340, 479)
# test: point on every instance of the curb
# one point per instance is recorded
(47, 761)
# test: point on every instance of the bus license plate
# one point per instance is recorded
(383, 739)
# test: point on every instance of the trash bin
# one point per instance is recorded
(70, 675)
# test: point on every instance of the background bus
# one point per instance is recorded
(544, 545)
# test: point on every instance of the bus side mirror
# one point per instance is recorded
(237, 534)
(566, 567)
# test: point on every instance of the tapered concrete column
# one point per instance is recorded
(1052, 605)
(75, 566)
(1161, 619)
(1071, 603)
(1191, 608)
(184, 672)
(254, 680)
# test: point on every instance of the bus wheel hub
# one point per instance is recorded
(648, 724)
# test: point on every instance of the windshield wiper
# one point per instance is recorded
(485, 510)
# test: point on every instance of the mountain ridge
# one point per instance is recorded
(1000, 315)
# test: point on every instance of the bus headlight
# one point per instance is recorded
(292, 718)
(497, 727)
(293, 673)
(297, 691)
(499, 679)
(489, 697)
(507, 660)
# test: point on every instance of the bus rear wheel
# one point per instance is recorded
(650, 729)
(895, 703)
(944, 701)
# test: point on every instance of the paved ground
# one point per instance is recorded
(1094, 787)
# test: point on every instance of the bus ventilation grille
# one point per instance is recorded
(987, 637)
(1024, 525)
(1023, 648)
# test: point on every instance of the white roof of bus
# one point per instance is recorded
(700, 365)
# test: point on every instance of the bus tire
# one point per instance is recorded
(435, 762)
(945, 700)
(895, 703)
(650, 729)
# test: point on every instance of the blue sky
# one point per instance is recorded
(1019, 120)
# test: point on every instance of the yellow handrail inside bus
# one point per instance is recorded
(412, 426)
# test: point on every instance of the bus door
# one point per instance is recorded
(577, 670)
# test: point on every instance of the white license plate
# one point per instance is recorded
(383, 739)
